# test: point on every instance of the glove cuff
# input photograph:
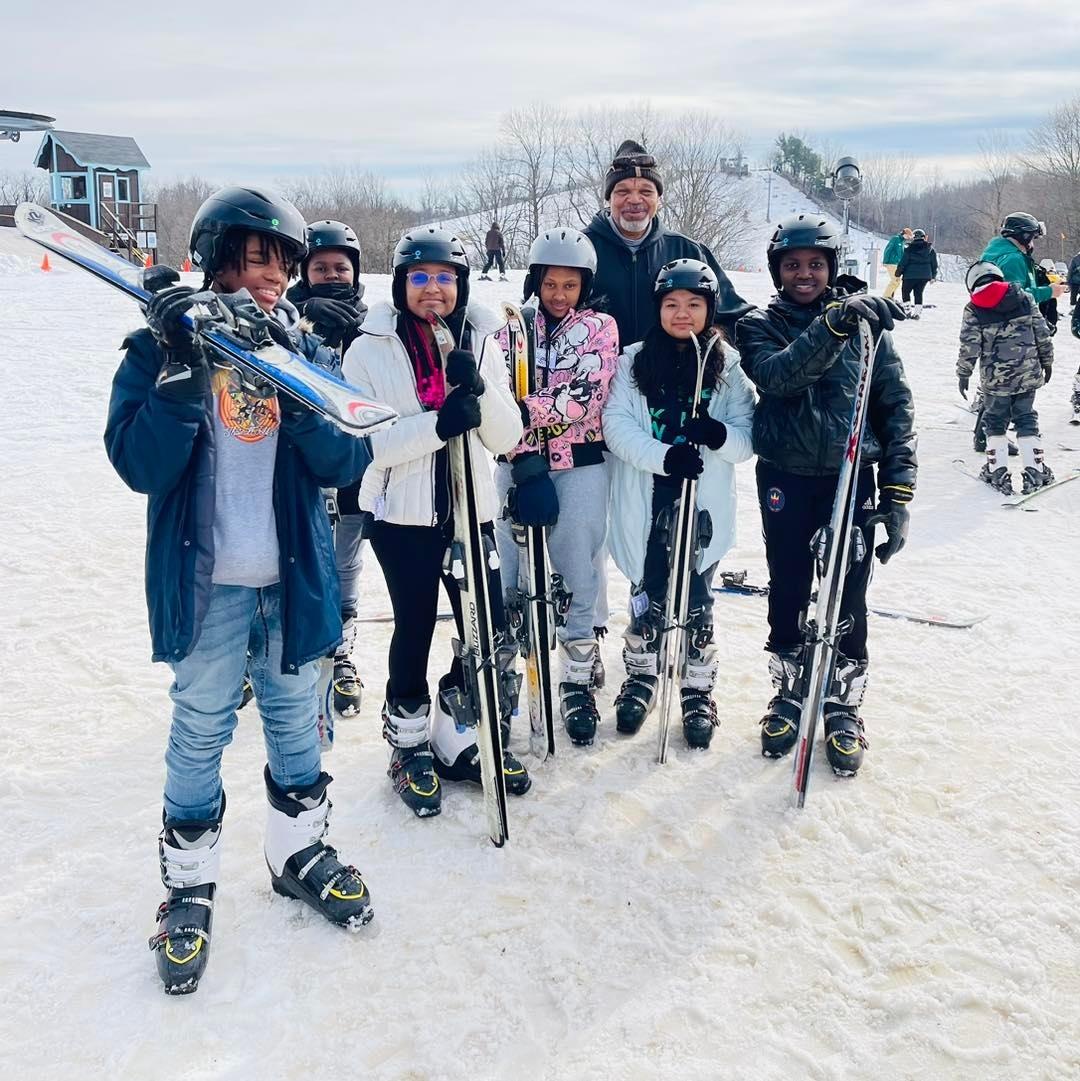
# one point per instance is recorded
(897, 493)
(526, 467)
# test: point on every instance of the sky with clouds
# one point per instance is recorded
(412, 88)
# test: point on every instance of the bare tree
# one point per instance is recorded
(177, 202)
(486, 189)
(26, 186)
(887, 180)
(531, 141)
(1054, 154)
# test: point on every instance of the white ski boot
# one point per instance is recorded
(576, 702)
(1037, 474)
(996, 470)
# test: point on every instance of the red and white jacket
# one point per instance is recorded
(573, 372)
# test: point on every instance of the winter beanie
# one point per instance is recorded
(632, 160)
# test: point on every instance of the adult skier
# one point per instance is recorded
(917, 268)
(891, 257)
(1004, 335)
(559, 462)
(632, 244)
(660, 436)
(330, 294)
(1074, 279)
(236, 531)
(1012, 250)
(407, 493)
(495, 247)
(801, 353)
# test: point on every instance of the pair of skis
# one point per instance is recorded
(538, 601)
(234, 329)
(687, 533)
(1022, 499)
(472, 554)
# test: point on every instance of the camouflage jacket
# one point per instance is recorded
(1010, 342)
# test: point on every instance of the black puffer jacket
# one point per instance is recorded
(625, 278)
(1074, 271)
(806, 379)
(918, 263)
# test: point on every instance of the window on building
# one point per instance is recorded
(123, 190)
(73, 187)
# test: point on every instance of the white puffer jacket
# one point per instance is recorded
(399, 485)
(637, 456)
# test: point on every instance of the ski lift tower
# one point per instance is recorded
(846, 184)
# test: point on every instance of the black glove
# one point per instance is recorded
(1047, 369)
(532, 501)
(843, 316)
(703, 431)
(461, 372)
(460, 413)
(895, 517)
(683, 461)
(333, 319)
(291, 406)
(164, 316)
(184, 374)
(964, 381)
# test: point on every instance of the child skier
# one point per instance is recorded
(1004, 333)
(560, 459)
(330, 294)
(659, 437)
(407, 492)
(237, 547)
(801, 353)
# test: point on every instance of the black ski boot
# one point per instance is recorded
(844, 738)
(577, 705)
(412, 767)
(348, 687)
(637, 696)
(301, 866)
(189, 858)
(699, 716)
(780, 725)
(453, 742)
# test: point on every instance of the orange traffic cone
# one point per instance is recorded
(185, 266)
(45, 262)
(148, 263)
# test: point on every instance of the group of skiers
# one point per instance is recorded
(247, 580)
(912, 263)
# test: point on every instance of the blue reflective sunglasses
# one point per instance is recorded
(419, 278)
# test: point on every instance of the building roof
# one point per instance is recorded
(120, 151)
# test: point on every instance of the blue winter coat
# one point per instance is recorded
(165, 449)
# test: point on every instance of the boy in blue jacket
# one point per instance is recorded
(239, 558)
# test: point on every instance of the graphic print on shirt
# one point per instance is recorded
(244, 416)
(672, 416)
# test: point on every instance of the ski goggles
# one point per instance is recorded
(418, 279)
(634, 161)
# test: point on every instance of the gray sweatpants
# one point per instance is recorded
(575, 542)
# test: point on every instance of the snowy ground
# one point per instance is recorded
(643, 921)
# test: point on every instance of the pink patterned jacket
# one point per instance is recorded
(574, 373)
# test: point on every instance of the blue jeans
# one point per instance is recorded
(207, 690)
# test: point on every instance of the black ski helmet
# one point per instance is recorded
(333, 235)
(981, 273)
(560, 247)
(804, 231)
(690, 274)
(919, 234)
(256, 210)
(1025, 227)
(429, 244)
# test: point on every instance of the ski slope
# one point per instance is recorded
(919, 921)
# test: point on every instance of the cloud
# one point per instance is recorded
(406, 89)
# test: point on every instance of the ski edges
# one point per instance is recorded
(682, 544)
(338, 402)
(469, 558)
(832, 543)
(537, 637)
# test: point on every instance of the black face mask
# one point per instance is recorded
(333, 290)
